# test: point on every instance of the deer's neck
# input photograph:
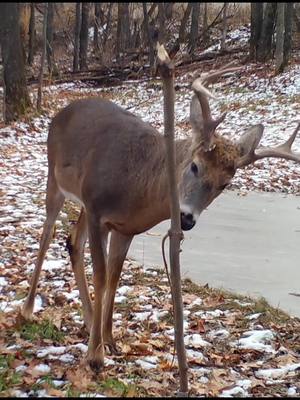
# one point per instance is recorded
(160, 188)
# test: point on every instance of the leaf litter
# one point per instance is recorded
(232, 350)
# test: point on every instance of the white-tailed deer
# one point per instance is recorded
(114, 165)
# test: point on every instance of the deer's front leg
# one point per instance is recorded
(118, 248)
(97, 241)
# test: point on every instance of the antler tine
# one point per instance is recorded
(202, 93)
(281, 151)
(211, 78)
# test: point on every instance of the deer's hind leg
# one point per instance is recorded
(75, 244)
(118, 248)
(54, 202)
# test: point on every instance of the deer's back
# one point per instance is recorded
(95, 143)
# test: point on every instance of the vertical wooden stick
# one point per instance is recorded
(166, 69)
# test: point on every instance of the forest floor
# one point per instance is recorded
(236, 346)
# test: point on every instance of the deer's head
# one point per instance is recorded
(213, 159)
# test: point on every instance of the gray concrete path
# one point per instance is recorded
(248, 244)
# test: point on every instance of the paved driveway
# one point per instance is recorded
(248, 244)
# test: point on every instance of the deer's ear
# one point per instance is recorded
(249, 141)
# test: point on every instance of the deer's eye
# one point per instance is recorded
(194, 168)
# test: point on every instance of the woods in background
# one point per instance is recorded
(102, 35)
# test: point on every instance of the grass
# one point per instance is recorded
(8, 377)
(259, 305)
(45, 330)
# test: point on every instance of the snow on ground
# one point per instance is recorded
(142, 317)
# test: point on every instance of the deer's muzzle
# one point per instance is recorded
(187, 221)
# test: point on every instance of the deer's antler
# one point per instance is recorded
(284, 151)
(206, 125)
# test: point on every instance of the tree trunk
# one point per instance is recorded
(84, 36)
(96, 26)
(49, 41)
(169, 10)
(119, 40)
(16, 98)
(39, 96)
(126, 26)
(257, 10)
(194, 28)
(148, 36)
(264, 50)
(288, 22)
(108, 25)
(279, 37)
(224, 27)
(77, 37)
(31, 34)
(161, 23)
(182, 29)
(205, 24)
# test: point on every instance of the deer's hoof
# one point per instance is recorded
(112, 349)
(25, 314)
(96, 365)
(96, 359)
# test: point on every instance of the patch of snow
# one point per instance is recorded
(21, 368)
(58, 383)
(50, 265)
(253, 316)
(120, 299)
(276, 373)
(142, 316)
(292, 391)
(237, 391)
(50, 350)
(124, 290)
(145, 364)
(18, 393)
(42, 369)
(220, 333)
(80, 346)
(38, 304)
(256, 340)
(66, 358)
(195, 340)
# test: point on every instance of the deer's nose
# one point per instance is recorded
(187, 221)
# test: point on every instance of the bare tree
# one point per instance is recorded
(224, 27)
(205, 24)
(39, 96)
(126, 26)
(161, 22)
(194, 27)
(279, 37)
(119, 39)
(77, 37)
(256, 24)
(148, 36)
(97, 23)
(31, 34)
(16, 98)
(84, 36)
(49, 41)
(183, 24)
(264, 50)
(108, 24)
(288, 23)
